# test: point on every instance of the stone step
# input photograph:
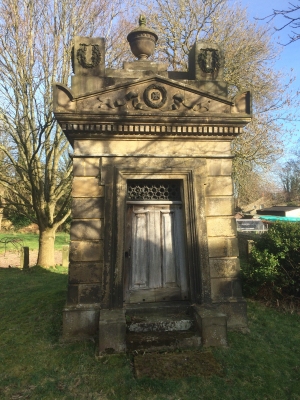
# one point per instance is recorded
(174, 307)
(159, 323)
(161, 341)
(160, 327)
(159, 317)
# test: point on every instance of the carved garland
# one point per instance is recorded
(215, 62)
(95, 59)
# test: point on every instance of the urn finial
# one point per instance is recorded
(142, 40)
(142, 20)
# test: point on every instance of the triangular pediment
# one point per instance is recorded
(155, 94)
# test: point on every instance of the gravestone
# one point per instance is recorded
(152, 191)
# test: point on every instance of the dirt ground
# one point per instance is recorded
(176, 365)
(11, 259)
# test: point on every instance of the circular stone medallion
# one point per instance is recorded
(155, 96)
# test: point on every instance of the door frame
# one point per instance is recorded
(193, 202)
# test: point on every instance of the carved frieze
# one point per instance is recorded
(150, 96)
(153, 96)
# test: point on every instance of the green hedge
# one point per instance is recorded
(274, 266)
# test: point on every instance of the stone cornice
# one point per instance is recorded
(90, 130)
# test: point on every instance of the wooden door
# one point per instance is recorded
(155, 262)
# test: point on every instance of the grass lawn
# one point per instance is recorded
(15, 240)
(34, 364)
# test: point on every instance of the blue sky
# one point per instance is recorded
(290, 56)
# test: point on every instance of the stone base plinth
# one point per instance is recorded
(236, 312)
(212, 326)
(80, 321)
(112, 331)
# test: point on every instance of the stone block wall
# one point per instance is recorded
(87, 231)
(223, 249)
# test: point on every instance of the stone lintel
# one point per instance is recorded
(164, 148)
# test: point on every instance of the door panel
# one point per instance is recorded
(139, 276)
(155, 269)
(168, 254)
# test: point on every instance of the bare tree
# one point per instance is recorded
(35, 51)
(290, 180)
(291, 15)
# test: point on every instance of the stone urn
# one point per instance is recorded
(142, 40)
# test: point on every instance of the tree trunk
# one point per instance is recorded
(46, 248)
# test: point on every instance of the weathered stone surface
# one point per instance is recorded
(221, 226)
(222, 288)
(86, 229)
(162, 168)
(89, 272)
(86, 251)
(154, 148)
(87, 208)
(217, 167)
(216, 206)
(212, 326)
(72, 296)
(87, 187)
(236, 312)
(112, 331)
(219, 186)
(213, 70)
(224, 268)
(89, 294)
(222, 247)
(80, 321)
(84, 63)
(86, 166)
(88, 64)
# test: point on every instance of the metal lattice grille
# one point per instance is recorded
(153, 190)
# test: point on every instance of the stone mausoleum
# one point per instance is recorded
(152, 228)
